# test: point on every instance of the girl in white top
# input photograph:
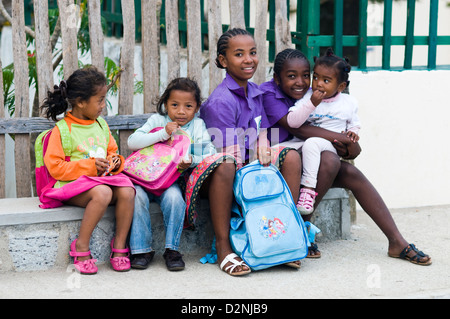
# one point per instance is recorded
(177, 109)
(327, 107)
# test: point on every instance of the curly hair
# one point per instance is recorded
(80, 86)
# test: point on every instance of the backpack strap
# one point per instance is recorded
(39, 148)
(66, 140)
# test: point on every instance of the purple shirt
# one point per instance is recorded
(232, 118)
(276, 105)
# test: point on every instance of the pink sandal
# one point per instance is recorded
(306, 200)
(85, 267)
(120, 263)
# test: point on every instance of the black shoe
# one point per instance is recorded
(141, 261)
(174, 260)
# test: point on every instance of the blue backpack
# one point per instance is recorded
(269, 230)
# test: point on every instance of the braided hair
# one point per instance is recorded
(222, 43)
(341, 65)
(286, 55)
(80, 86)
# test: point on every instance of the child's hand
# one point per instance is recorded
(102, 164)
(317, 97)
(171, 127)
(352, 136)
(264, 155)
(114, 162)
(185, 164)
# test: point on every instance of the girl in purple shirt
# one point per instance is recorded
(235, 118)
(291, 81)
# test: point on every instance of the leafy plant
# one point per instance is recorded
(9, 97)
(112, 71)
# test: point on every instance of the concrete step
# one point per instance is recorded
(32, 238)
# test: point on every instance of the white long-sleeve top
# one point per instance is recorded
(336, 114)
(201, 146)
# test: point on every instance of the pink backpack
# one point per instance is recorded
(43, 178)
(155, 167)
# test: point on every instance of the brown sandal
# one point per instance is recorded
(315, 250)
(294, 264)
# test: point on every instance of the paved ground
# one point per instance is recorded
(356, 268)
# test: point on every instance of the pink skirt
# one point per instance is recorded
(55, 197)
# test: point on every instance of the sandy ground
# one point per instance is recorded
(357, 268)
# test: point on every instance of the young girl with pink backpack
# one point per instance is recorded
(176, 116)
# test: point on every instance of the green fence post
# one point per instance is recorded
(247, 13)
(362, 45)
(110, 24)
(387, 37)
(118, 32)
(162, 21)
(432, 35)
(409, 42)
(138, 18)
(298, 22)
(310, 27)
(182, 23)
(338, 26)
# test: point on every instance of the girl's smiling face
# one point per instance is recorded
(240, 59)
(294, 78)
(181, 106)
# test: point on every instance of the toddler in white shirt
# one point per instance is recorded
(327, 107)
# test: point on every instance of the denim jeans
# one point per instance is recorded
(173, 208)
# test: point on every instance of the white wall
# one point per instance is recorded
(405, 128)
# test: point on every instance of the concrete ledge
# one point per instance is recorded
(26, 211)
(32, 238)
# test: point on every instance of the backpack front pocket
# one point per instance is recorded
(273, 229)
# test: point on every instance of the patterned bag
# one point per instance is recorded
(155, 167)
(270, 230)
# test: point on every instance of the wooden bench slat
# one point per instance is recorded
(23, 125)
